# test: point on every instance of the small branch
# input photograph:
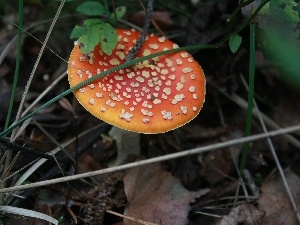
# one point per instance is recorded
(131, 218)
(131, 55)
(157, 159)
(16, 147)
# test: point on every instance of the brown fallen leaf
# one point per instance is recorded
(245, 213)
(155, 196)
(162, 18)
(275, 202)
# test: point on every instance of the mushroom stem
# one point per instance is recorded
(128, 143)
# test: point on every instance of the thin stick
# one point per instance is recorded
(35, 66)
(131, 218)
(274, 154)
(131, 55)
(158, 159)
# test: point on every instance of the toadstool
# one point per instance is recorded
(154, 96)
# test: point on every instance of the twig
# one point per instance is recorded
(35, 66)
(16, 147)
(131, 55)
(274, 154)
(131, 218)
(158, 159)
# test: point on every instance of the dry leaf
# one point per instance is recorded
(162, 18)
(244, 213)
(275, 202)
(67, 105)
(155, 196)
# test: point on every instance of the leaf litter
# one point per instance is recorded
(155, 196)
(150, 195)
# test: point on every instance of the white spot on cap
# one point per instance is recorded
(163, 96)
(166, 115)
(193, 76)
(117, 77)
(164, 71)
(126, 115)
(146, 74)
(92, 101)
(167, 91)
(195, 96)
(187, 70)
(102, 109)
(144, 112)
(161, 39)
(140, 79)
(114, 62)
(146, 52)
(172, 77)
(81, 90)
(79, 72)
(179, 62)
(179, 86)
(121, 55)
(127, 33)
(145, 103)
(91, 86)
(130, 75)
(168, 83)
(194, 109)
(118, 86)
(179, 97)
(182, 79)
(184, 109)
(156, 101)
(192, 89)
(153, 46)
(184, 54)
(99, 95)
(146, 120)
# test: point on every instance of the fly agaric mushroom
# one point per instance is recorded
(154, 96)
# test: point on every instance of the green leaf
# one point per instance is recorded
(88, 42)
(285, 16)
(108, 38)
(91, 8)
(90, 38)
(89, 22)
(235, 41)
(77, 32)
(94, 32)
(119, 13)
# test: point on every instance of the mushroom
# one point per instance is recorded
(154, 96)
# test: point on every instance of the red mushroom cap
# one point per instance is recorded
(154, 96)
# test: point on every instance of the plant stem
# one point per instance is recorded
(250, 96)
(12, 98)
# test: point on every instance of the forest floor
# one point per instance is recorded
(203, 188)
